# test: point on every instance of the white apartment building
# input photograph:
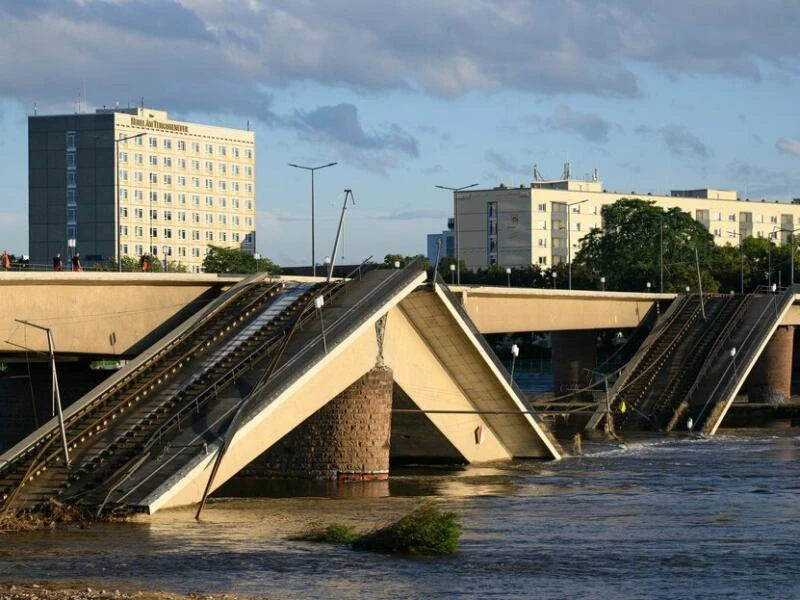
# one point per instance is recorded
(542, 224)
(130, 181)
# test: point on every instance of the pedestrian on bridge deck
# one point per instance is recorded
(58, 264)
(5, 261)
(76, 262)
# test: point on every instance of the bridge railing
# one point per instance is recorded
(748, 346)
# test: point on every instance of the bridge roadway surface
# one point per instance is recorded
(252, 365)
(121, 314)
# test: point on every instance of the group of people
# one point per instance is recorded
(58, 264)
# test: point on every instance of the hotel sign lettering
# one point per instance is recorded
(159, 125)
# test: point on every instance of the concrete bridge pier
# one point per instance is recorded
(572, 353)
(345, 440)
(771, 378)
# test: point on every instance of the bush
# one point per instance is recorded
(426, 530)
(336, 533)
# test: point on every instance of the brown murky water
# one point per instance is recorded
(716, 518)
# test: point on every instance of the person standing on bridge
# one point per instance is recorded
(76, 261)
(57, 262)
(5, 261)
(144, 263)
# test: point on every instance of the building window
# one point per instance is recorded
(138, 231)
(153, 142)
(181, 216)
(195, 234)
(138, 213)
(153, 178)
(168, 162)
(542, 260)
(123, 230)
(70, 140)
(209, 236)
(168, 143)
(71, 178)
(167, 233)
(195, 147)
(123, 212)
(138, 195)
(248, 154)
(248, 171)
(168, 215)
(195, 182)
(542, 207)
(154, 232)
(209, 166)
(167, 179)
(153, 160)
(195, 200)
(542, 242)
(138, 159)
(139, 141)
(72, 215)
(181, 145)
(182, 163)
(209, 149)
(154, 214)
(181, 181)
(153, 196)
(181, 234)
(209, 201)
(71, 197)
(209, 219)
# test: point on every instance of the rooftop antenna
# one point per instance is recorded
(537, 176)
(565, 172)
(595, 177)
(142, 105)
(248, 124)
(35, 108)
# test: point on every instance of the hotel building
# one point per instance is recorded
(130, 181)
(543, 224)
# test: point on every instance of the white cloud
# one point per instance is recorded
(788, 145)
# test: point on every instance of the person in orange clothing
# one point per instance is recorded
(5, 261)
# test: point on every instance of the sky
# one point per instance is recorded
(408, 95)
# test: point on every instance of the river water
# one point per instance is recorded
(675, 518)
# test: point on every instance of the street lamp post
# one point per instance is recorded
(514, 355)
(554, 279)
(741, 257)
(455, 222)
(452, 274)
(117, 217)
(569, 242)
(603, 283)
(508, 276)
(791, 233)
(312, 169)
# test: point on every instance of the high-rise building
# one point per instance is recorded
(128, 182)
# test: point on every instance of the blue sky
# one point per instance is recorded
(408, 95)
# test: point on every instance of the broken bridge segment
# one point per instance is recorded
(277, 376)
(436, 358)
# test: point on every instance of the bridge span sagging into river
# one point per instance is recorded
(377, 367)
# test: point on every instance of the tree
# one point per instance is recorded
(233, 260)
(637, 237)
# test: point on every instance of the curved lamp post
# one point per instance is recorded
(455, 221)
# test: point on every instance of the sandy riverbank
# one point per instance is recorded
(54, 591)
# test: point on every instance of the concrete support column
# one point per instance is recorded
(347, 439)
(572, 352)
(771, 378)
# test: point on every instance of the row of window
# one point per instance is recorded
(166, 198)
(182, 145)
(196, 165)
(182, 234)
(183, 217)
(180, 181)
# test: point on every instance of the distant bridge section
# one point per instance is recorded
(504, 310)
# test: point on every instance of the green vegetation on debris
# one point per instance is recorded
(425, 530)
(335, 533)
